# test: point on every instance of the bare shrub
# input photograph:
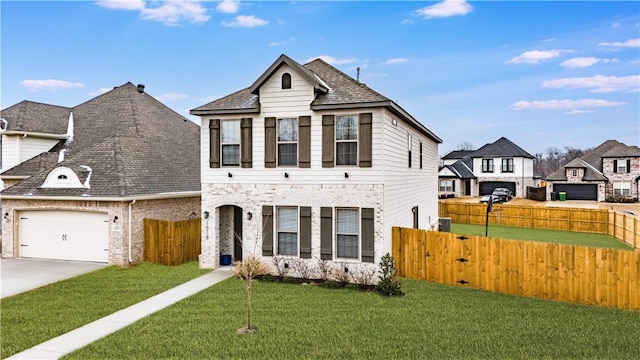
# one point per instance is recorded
(302, 268)
(247, 270)
(280, 264)
(340, 273)
(323, 269)
(364, 275)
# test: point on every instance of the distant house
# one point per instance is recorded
(79, 180)
(478, 172)
(310, 163)
(610, 172)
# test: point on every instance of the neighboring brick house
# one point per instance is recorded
(308, 162)
(477, 172)
(78, 181)
(610, 172)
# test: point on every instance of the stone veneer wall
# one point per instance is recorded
(251, 198)
(164, 209)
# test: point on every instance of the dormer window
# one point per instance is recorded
(574, 172)
(62, 177)
(286, 81)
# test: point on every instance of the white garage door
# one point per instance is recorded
(65, 235)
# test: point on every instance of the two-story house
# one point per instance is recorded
(308, 162)
(609, 172)
(78, 181)
(478, 172)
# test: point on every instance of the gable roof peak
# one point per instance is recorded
(315, 80)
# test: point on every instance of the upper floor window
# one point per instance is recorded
(420, 154)
(288, 142)
(287, 229)
(230, 142)
(347, 233)
(286, 81)
(487, 165)
(409, 146)
(574, 172)
(507, 165)
(621, 165)
(347, 140)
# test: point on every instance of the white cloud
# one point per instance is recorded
(49, 85)
(395, 61)
(407, 22)
(631, 43)
(246, 21)
(228, 6)
(333, 61)
(583, 62)
(597, 83)
(535, 56)
(169, 12)
(282, 43)
(100, 91)
(576, 112)
(172, 96)
(615, 25)
(445, 9)
(564, 104)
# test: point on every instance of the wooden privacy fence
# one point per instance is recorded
(579, 274)
(620, 225)
(171, 242)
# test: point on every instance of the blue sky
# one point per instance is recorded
(540, 73)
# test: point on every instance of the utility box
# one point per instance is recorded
(444, 224)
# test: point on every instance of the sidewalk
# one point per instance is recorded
(85, 335)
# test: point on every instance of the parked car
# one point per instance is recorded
(496, 199)
(504, 193)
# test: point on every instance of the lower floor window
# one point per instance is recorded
(347, 233)
(622, 188)
(446, 185)
(287, 231)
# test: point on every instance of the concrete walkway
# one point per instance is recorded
(85, 335)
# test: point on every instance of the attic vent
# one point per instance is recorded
(62, 177)
(140, 88)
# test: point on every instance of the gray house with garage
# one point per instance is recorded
(478, 172)
(77, 181)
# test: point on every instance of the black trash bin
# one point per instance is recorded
(554, 196)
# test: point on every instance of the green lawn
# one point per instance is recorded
(431, 321)
(44, 313)
(543, 235)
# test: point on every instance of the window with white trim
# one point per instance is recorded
(286, 81)
(288, 142)
(347, 233)
(409, 145)
(287, 230)
(230, 142)
(347, 140)
(622, 188)
(487, 165)
(507, 165)
(446, 185)
(621, 166)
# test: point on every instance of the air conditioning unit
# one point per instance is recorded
(444, 224)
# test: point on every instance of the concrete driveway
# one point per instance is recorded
(20, 275)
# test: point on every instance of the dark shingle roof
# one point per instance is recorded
(457, 154)
(621, 150)
(590, 173)
(461, 170)
(36, 164)
(334, 90)
(133, 144)
(501, 148)
(36, 117)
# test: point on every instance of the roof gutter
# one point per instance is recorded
(36, 134)
(161, 196)
(224, 111)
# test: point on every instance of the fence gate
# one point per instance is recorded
(171, 242)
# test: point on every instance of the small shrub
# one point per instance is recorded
(388, 285)
(280, 264)
(302, 268)
(340, 272)
(323, 269)
(364, 275)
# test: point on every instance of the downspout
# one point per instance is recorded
(130, 245)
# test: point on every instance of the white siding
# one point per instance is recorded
(522, 174)
(406, 187)
(9, 152)
(33, 146)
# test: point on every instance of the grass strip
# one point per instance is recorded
(36, 316)
(432, 321)
(542, 235)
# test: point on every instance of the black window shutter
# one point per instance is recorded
(615, 166)
(214, 143)
(267, 230)
(364, 139)
(328, 140)
(326, 233)
(628, 165)
(246, 138)
(367, 220)
(453, 185)
(304, 141)
(305, 232)
(270, 142)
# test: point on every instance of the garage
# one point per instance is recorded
(578, 191)
(64, 235)
(486, 187)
